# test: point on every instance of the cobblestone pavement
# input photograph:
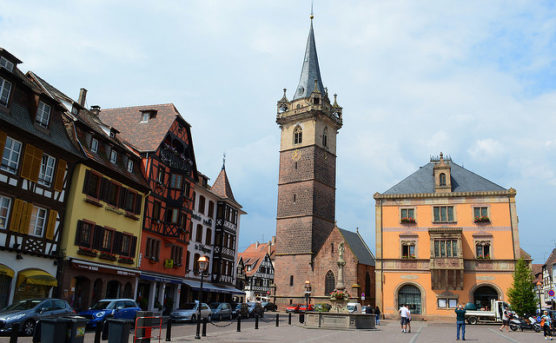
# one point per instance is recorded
(389, 331)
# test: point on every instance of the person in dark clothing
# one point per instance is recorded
(377, 314)
(460, 322)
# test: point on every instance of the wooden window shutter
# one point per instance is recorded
(31, 163)
(59, 177)
(78, 233)
(26, 218)
(86, 181)
(3, 138)
(17, 210)
(138, 200)
(51, 224)
(123, 195)
(117, 243)
(133, 246)
(97, 237)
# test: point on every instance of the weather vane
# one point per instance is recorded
(312, 16)
(223, 160)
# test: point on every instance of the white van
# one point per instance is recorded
(354, 307)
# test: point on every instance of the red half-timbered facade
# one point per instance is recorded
(36, 163)
(163, 138)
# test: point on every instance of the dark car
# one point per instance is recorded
(26, 313)
(255, 309)
(293, 308)
(323, 307)
(268, 306)
(241, 309)
(221, 311)
(110, 308)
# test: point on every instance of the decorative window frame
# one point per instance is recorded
(297, 134)
(400, 210)
(407, 240)
(455, 219)
(483, 241)
(487, 206)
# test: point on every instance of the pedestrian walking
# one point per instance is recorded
(545, 324)
(505, 321)
(460, 322)
(403, 314)
(377, 314)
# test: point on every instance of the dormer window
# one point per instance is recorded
(146, 115)
(112, 133)
(316, 101)
(94, 145)
(130, 166)
(4, 63)
(442, 179)
(113, 156)
(43, 114)
(5, 88)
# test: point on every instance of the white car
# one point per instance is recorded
(354, 307)
(189, 313)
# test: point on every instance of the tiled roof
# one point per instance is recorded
(525, 255)
(222, 188)
(551, 259)
(254, 255)
(144, 136)
(463, 180)
(536, 270)
(358, 247)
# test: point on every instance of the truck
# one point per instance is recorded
(494, 315)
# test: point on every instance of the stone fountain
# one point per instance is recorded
(339, 316)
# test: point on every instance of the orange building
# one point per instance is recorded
(444, 236)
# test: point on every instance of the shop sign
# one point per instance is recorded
(168, 263)
(104, 270)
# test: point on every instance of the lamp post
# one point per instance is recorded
(539, 286)
(307, 294)
(203, 264)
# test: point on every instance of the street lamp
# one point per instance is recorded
(203, 264)
(307, 294)
(539, 285)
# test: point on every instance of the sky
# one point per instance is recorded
(475, 80)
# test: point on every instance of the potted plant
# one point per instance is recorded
(482, 219)
(408, 220)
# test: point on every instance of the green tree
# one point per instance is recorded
(522, 293)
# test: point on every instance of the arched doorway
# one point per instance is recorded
(80, 299)
(410, 296)
(112, 289)
(483, 295)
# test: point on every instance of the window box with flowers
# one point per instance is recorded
(408, 220)
(339, 295)
(125, 259)
(482, 220)
(152, 259)
(411, 257)
(107, 256)
(87, 252)
(486, 257)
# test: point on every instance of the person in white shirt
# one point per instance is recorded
(404, 314)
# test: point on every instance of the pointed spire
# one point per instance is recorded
(224, 161)
(221, 186)
(310, 72)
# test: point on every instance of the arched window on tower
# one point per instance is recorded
(297, 135)
(325, 137)
(329, 283)
(442, 180)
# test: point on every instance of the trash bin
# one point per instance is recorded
(69, 329)
(143, 326)
(118, 330)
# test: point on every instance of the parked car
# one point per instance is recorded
(354, 307)
(323, 307)
(293, 308)
(304, 308)
(241, 309)
(268, 306)
(26, 313)
(255, 308)
(221, 311)
(110, 308)
(189, 312)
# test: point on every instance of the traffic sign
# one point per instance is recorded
(551, 293)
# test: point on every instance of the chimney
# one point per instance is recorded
(256, 244)
(95, 109)
(82, 97)
(273, 240)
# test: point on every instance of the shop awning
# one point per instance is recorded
(209, 287)
(7, 271)
(160, 278)
(36, 277)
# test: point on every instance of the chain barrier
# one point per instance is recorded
(223, 326)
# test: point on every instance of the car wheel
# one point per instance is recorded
(472, 320)
(29, 327)
(194, 319)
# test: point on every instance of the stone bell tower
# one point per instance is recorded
(307, 177)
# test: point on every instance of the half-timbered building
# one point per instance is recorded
(106, 201)
(163, 139)
(259, 270)
(37, 158)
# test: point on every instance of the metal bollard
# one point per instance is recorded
(98, 332)
(204, 334)
(302, 318)
(290, 318)
(238, 323)
(256, 322)
(14, 333)
(104, 330)
(169, 330)
(277, 319)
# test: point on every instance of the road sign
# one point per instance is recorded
(551, 293)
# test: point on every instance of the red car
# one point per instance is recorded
(303, 308)
(293, 308)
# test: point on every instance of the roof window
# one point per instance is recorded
(4, 63)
